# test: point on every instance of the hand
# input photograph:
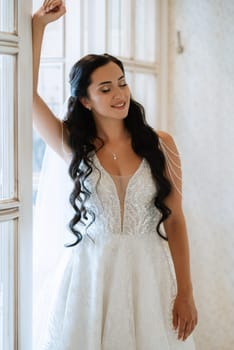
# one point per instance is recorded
(50, 11)
(184, 316)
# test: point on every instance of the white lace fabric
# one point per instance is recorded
(115, 291)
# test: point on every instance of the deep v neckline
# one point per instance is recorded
(113, 184)
(120, 176)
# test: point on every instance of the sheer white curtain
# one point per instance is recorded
(51, 218)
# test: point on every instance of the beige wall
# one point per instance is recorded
(201, 118)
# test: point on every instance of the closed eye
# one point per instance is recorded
(105, 90)
(122, 82)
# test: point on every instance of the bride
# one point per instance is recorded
(125, 282)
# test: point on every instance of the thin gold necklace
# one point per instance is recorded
(112, 153)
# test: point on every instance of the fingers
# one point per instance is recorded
(51, 2)
(50, 5)
(188, 330)
(185, 329)
(184, 317)
(50, 11)
(175, 319)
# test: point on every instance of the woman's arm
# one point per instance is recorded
(48, 126)
(184, 311)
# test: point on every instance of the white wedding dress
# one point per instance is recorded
(115, 289)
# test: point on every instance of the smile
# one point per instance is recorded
(119, 105)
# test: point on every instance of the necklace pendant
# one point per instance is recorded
(114, 156)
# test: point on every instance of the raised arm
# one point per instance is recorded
(46, 123)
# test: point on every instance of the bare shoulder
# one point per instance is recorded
(163, 134)
(167, 140)
(173, 169)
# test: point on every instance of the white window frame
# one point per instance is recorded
(163, 66)
(76, 14)
(18, 43)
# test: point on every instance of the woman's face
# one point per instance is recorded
(108, 93)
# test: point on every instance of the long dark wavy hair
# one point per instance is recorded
(82, 133)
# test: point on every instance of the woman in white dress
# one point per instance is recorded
(126, 283)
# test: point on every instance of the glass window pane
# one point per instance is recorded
(94, 26)
(7, 16)
(7, 64)
(145, 29)
(7, 285)
(51, 85)
(129, 78)
(53, 32)
(145, 92)
(36, 4)
(119, 28)
(51, 88)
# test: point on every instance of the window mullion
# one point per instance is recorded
(24, 243)
(133, 31)
(163, 68)
(106, 25)
(82, 24)
(9, 214)
(8, 204)
(8, 49)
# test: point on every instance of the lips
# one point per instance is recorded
(119, 105)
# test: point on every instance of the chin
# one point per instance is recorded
(120, 117)
(120, 114)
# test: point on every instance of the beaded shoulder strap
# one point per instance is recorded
(173, 164)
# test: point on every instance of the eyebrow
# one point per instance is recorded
(109, 82)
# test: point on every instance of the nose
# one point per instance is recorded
(118, 93)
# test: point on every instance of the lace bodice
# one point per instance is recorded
(122, 205)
